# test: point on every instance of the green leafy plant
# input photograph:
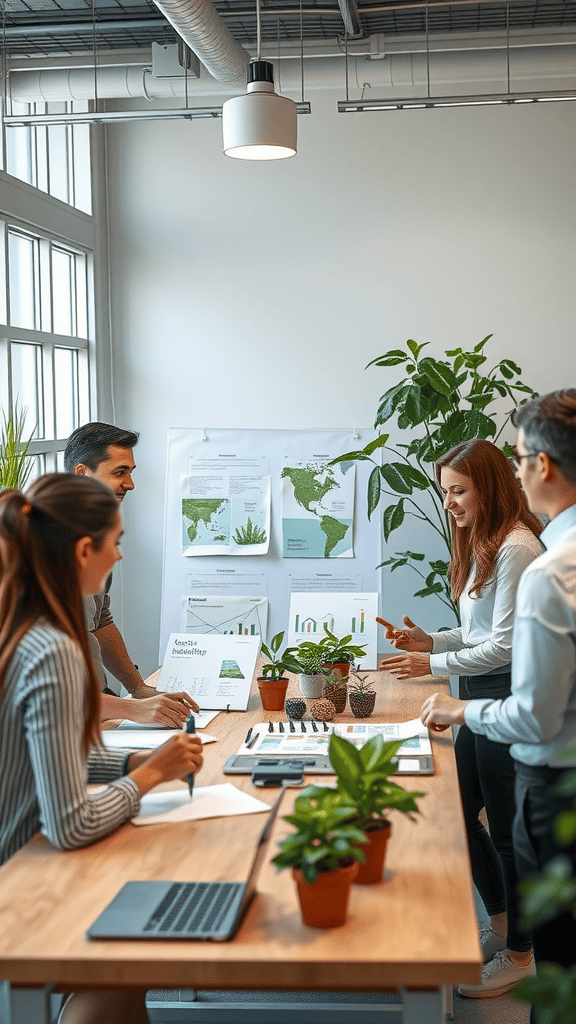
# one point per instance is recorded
(309, 657)
(360, 683)
(278, 664)
(553, 989)
(448, 401)
(249, 534)
(363, 777)
(324, 839)
(335, 649)
(15, 463)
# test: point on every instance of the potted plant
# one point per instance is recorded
(361, 694)
(15, 463)
(310, 675)
(323, 853)
(363, 777)
(440, 402)
(339, 654)
(272, 684)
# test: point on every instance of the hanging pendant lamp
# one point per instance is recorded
(260, 125)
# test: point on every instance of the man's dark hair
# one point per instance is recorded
(549, 425)
(89, 444)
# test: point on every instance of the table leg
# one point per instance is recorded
(424, 1007)
(24, 1005)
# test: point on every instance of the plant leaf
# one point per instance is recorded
(440, 376)
(373, 490)
(393, 518)
(396, 477)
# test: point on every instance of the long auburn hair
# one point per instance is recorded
(501, 507)
(39, 575)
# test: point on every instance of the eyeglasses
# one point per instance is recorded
(516, 459)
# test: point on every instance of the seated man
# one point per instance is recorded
(105, 452)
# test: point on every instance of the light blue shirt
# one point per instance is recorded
(483, 644)
(539, 718)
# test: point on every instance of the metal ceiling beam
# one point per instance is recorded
(349, 12)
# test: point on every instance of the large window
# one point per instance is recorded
(47, 332)
(54, 159)
(44, 341)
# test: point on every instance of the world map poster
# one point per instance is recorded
(317, 509)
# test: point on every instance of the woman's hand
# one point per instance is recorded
(407, 666)
(412, 638)
(180, 756)
(440, 710)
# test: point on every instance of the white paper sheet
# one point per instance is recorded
(207, 802)
(143, 739)
(215, 670)
(202, 720)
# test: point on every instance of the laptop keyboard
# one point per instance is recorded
(192, 907)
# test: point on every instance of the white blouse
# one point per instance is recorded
(483, 644)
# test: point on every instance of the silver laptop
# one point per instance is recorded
(183, 910)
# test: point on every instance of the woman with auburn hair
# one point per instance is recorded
(494, 538)
(57, 543)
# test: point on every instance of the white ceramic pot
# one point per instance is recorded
(311, 686)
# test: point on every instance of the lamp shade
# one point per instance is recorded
(259, 125)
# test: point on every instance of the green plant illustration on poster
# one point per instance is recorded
(439, 402)
(249, 534)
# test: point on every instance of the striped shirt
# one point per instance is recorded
(43, 771)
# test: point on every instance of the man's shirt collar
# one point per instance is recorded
(558, 526)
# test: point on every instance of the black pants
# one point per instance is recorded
(535, 844)
(487, 779)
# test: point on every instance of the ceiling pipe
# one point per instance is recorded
(397, 71)
(201, 28)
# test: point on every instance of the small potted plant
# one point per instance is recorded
(364, 781)
(310, 676)
(361, 694)
(323, 853)
(335, 689)
(339, 654)
(272, 684)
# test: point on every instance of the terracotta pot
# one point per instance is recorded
(375, 852)
(272, 693)
(311, 685)
(325, 904)
(341, 669)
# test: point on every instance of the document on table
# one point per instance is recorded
(312, 738)
(221, 801)
(202, 719)
(143, 739)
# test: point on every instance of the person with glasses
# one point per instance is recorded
(494, 538)
(538, 719)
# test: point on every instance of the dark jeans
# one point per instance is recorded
(487, 779)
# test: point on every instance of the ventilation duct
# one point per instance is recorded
(198, 24)
(398, 71)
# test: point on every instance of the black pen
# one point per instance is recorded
(253, 740)
(191, 728)
(248, 735)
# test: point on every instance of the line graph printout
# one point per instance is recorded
(342, 614)
(317, 508)
(226, 507)
(224, 614)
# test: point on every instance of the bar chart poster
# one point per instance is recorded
(224, 614)
(343, 614)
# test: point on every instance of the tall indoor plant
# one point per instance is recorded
(440, 402)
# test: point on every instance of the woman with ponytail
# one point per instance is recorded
(494, 538)
(57, 543)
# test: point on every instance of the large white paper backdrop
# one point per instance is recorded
(268, 575)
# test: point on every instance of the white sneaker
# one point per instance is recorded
(491, 943)
(499, 975)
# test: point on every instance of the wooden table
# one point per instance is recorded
(415, 933)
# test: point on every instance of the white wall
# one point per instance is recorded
(249, 295)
